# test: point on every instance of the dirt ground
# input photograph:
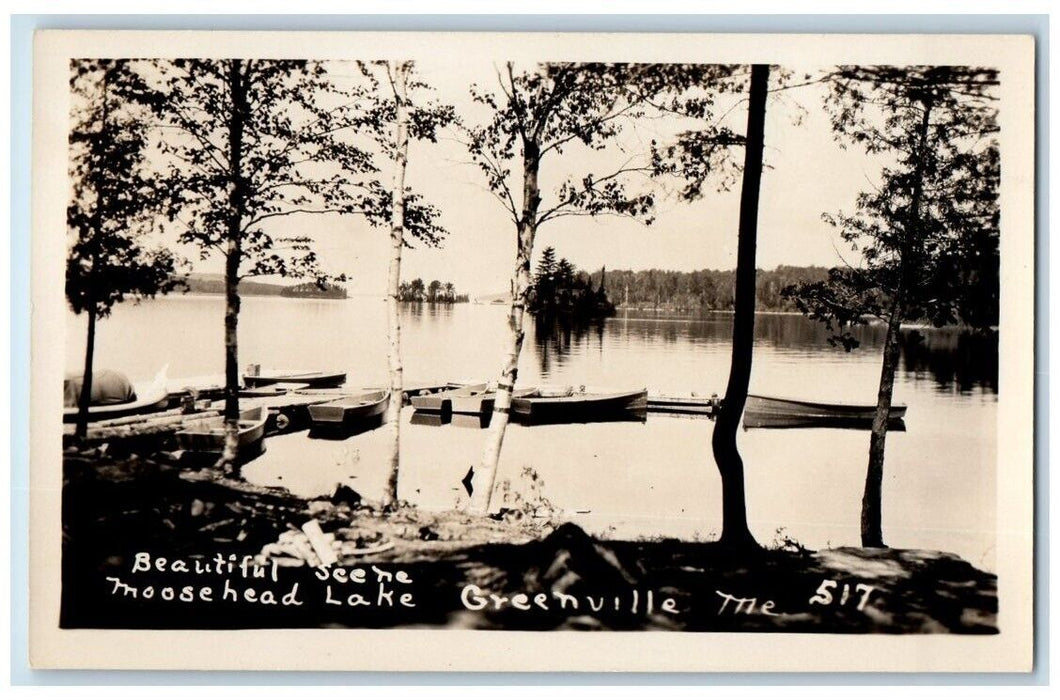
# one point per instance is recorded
(155, 544)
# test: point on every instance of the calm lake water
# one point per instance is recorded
(619, 479)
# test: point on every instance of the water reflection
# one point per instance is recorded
(557, 336)
(953, 359)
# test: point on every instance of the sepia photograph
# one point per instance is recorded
(497, 345)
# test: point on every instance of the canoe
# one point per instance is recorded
(580, 405)
(469, 399)
(208, 435)
(279, 389)
(312, 378)
(773, 412)
(150, 397)
(350, 409)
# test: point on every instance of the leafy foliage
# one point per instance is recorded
(928, 232)
(115, 197)
(554, 108)
(309, 147)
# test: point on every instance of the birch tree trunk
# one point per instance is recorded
(486, 476)
(233, 256)
(735, 532)
(399, 81)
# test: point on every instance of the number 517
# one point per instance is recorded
(824, 595)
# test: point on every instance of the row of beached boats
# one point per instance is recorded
(332, 406)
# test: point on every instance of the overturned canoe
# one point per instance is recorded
(208, 435)
(145, 398)
(350, 410)
(580, 405)
(772, 412)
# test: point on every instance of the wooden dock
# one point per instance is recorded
(691, 405)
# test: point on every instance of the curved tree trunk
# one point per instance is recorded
(735, 532)
(486, 476)
(397, 241)
(233, 256)
(85, 398)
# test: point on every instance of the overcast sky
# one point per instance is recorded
(807, 174)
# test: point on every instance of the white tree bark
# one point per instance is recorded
(398, 74)
(486, 475)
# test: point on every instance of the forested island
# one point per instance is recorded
(434, 292)
(559, 290)
(207, 283)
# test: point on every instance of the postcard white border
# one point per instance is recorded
(1011, 650)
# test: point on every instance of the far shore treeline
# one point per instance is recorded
(703, 290)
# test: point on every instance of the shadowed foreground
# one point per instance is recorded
(411, 568)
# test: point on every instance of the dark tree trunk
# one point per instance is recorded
(233, 257)
(735, 532)
(92, 308)
(86, 381)
(872, 500)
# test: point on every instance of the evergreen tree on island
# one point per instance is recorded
(558, 290)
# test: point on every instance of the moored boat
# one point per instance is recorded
(464, 396)
(208, 434)
(351, 409)
(580, 405)
(258, 377)
(469, 399)
(772, 412)
(278, 389)
(142, 397)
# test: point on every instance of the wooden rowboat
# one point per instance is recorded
(470, 399)
(208, 435)
(149, 398)
(350, 409)
(312, 378)
(772, 412)
(580, 405)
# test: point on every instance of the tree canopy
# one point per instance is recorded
(116, 200)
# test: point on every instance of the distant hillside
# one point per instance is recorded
(212, 283)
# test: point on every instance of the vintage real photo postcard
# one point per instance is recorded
(461, 351)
